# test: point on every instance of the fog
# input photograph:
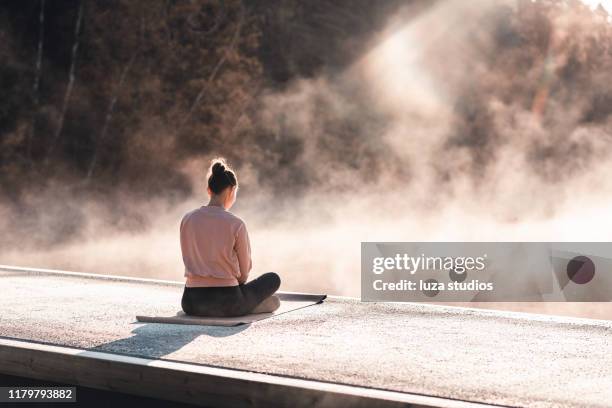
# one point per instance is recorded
(451, 127)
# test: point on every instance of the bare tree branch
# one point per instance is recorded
(75, 48)
(109, 113)
(217, 67)
(248, 102)
(113, 102)
(41, 36)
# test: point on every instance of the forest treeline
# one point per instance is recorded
(105, 93)
(113, 95)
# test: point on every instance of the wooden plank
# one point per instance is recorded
(194, 384)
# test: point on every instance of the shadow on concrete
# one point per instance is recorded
(155, 340)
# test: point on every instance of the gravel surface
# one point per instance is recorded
(486, 356)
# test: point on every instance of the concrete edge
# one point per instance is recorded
(195, 384)
(39, 271)
(116, 278)
(436, 307)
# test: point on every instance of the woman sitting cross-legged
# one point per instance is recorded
(217, 256)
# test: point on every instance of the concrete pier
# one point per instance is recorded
(81, 329)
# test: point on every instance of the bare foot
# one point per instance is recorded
(268, 305)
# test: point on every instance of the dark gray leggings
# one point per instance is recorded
(229, 301)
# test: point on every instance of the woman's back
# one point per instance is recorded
(215, 247)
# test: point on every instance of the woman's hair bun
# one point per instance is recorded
(221, 176)
(218, 167)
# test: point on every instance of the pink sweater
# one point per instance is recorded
(215, 247)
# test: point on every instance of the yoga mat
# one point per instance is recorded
(289, 302)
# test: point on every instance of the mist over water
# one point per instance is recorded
(480, 120)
